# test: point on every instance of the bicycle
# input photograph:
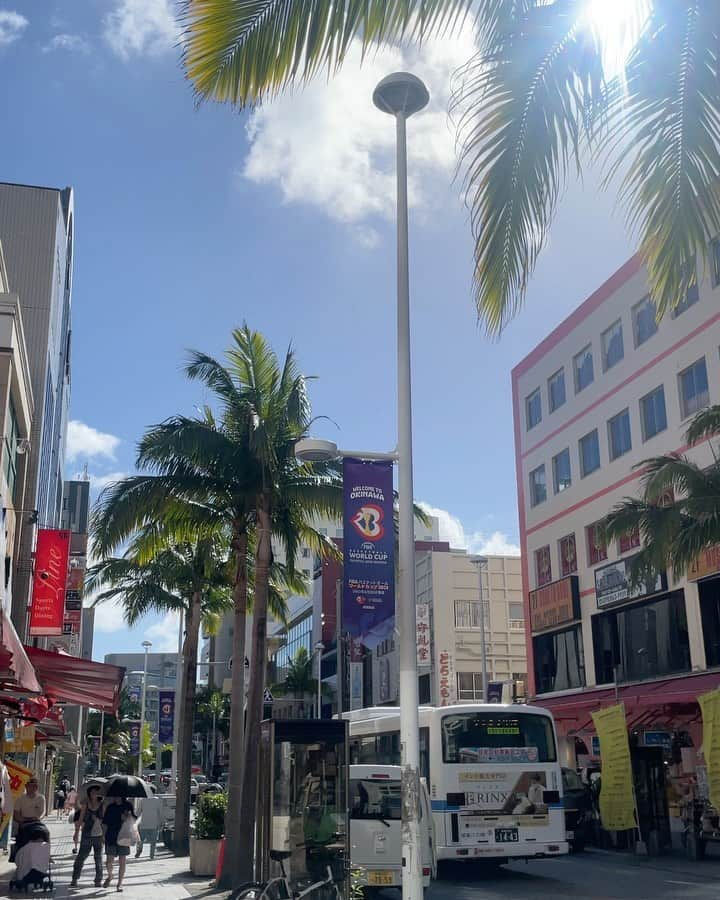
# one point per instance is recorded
(280, 888)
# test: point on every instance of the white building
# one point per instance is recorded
(605, 390)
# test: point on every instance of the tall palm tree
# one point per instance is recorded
(534, 105)
(159, 575)
(678, 511)
(206, 472)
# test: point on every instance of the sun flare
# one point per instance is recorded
(617, 25)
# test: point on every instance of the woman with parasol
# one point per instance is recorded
(119, 822)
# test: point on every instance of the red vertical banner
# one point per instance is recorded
(49, 582)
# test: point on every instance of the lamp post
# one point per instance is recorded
(481, 562)
(319, 648)
(146, 647)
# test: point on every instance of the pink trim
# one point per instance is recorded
(641, 371)
(596, 299)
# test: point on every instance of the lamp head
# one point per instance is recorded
(401, 93)
(312, 450)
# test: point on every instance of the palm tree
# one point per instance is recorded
(206, 472)
(534, 104)
(299, 681)
(159, 575)
(678, 512)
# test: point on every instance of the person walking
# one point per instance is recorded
(70, 801)
(151, 820)
(28, 813)
(117, 812)
(89, 820)
(59, 799)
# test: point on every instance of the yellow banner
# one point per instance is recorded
(710, 707)
(19, 777)
(617, 799)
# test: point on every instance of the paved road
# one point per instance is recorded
(587, 875)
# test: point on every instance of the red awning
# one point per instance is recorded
(16, 671)
(667, 695)
(70, 679)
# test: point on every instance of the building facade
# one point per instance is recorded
(607, 389)
(36, 231)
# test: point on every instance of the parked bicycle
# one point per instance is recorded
(280, 887)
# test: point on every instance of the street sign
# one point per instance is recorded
(267, 697)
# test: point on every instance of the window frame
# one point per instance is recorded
(531, 397)
(642, 407)
(566, 570)
(587, 349)
(646, 301)
(538, 579)
(604, 344)
(533, 501)
(583, 473)
(556, 488)
(610, 422)
(602, 550)
(561, 373)
(688, 413)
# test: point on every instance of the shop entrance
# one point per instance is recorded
(651, 797)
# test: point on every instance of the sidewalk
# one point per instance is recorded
(164, 878)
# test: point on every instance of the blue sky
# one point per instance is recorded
(189, 221)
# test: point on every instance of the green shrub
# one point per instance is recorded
(210, 817)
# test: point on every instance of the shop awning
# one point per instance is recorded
(571, 710)
(16, 671)
(70, 679)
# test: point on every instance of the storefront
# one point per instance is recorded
(557, 636)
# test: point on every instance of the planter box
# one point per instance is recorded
(203, 856)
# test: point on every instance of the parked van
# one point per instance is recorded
(376, 827)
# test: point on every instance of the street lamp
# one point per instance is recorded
(146, 647)
(401, 95)
(319, 649)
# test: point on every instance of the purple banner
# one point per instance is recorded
(167, 716)
(134, 738)
(368, 551)
(134, 693)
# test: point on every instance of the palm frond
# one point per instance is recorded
(245, 51)
(665, 119)
(706, 424)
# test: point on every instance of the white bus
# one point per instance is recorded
(493, 773)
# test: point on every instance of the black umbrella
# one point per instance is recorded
(127, 786)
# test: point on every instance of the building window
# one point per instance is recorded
(652, 413)
(644, 321)
(561, 471)
(298, 635)
(715, 257)
(533, 409)
(543, 566)
(583, 368)
(516, 613)
(629, 541)
(589, 446)
(619, 434)
(710, 617)
(642, 641)
(470, 686)
(556, 390)
(305, 552)
(596, 544)
(11, 445)
(612, 345)
(559, 661)
(692, 295)
(467, 613)
(538, 488)
(694, 393)
(568, 555)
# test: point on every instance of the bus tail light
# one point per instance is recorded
(426, 871)
(554, 848)
(462, 852)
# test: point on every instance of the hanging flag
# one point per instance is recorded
(135, 731)
(617, 797)
(49, 580)
(166, 722)
(368, 551)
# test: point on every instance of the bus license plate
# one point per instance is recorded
(380, 877)
(506, 835)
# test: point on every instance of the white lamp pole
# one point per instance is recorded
(402, 94)
(146, 647)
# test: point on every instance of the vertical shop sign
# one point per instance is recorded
(49, 580)
(617, 797)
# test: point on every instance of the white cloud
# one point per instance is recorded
(12, 25)
(327, 145)
(164, 634)
(108, 616)
(452, 530)
(141, 27)
(86, 442)
(75, 43)
(99, 482)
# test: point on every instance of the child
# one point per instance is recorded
(33, 863)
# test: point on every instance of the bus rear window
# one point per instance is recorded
(497, 738)
(375, 799)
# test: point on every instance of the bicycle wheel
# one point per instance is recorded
(251, 890)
